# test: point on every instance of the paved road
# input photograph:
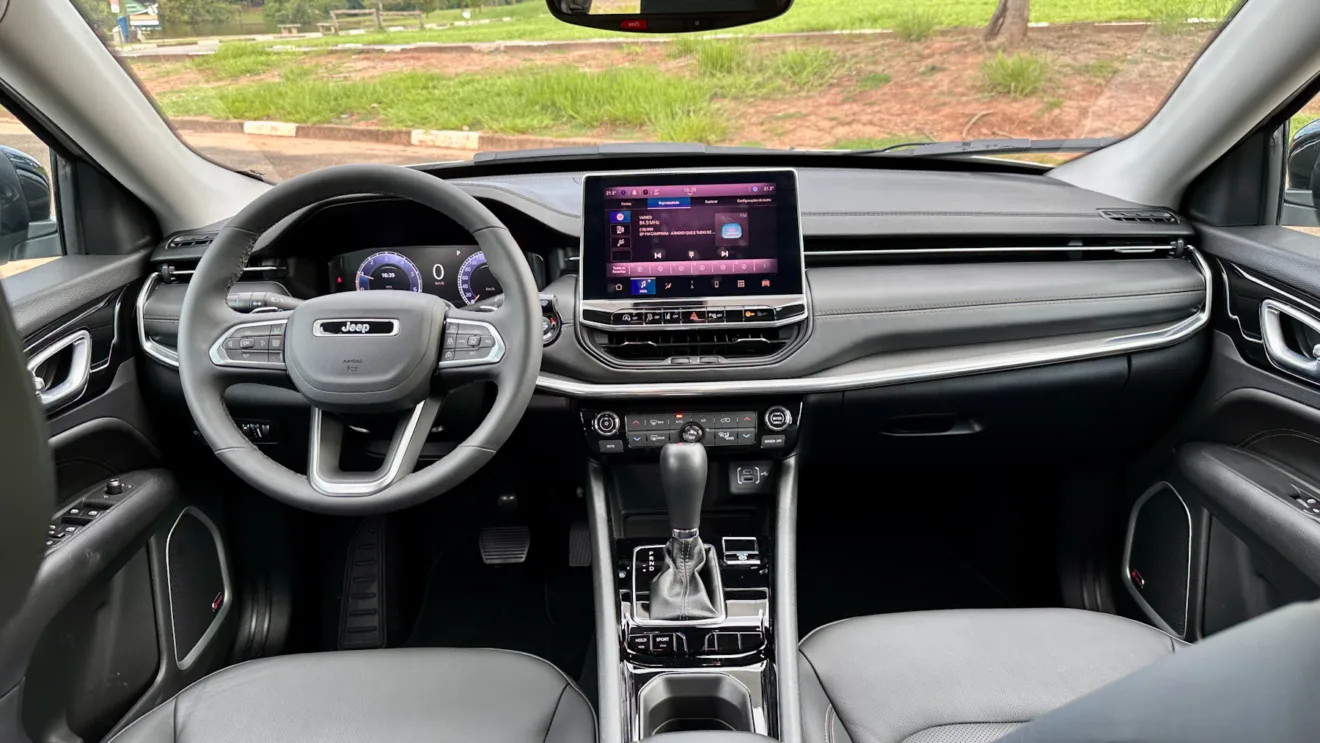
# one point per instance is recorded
(278, 158)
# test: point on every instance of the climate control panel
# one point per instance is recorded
(738, 427)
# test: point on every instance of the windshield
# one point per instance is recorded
(282, 87)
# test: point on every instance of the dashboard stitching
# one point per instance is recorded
(1059, 300)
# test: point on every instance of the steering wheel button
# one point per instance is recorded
(231, 344)
(487, 341)
(261, 343)
(448, 354)
(247, 342)
(473, 341)
(276, 344)
(252, 331)
(277, 328)
(450, 340)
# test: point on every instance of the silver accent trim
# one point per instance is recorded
(957, 251)
(636, 618)
(1276, 346)
(749, 301)
(1127, 558)
(164, 354)
(388, 472)
(318, 327)
(788, 419)
(494, 356)
(684, 533)
(1001, 361)
(80, 369)
(219, 360)
(246, 269)
(217, 621)
(774, 302)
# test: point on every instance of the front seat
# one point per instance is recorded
(968, 676)
(437, 695)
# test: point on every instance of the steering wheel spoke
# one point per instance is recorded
(251, 349)
(474, 346)
(324, 471)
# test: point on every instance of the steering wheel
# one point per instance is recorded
(359, 352)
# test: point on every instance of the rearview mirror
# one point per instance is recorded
(1302, 152)
(665, 16)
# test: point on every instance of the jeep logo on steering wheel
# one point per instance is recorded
(355, 326)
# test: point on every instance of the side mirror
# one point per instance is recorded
(665, 16)
(25, 198)
(1303, 152)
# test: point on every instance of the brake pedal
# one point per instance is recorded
(505, 545)
(362, 610)
(579, 545)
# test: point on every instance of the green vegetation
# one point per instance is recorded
(553, 101)
(878, 143)
(916, 23)
(874, 80)
(1017, 76)
(1300, 120)
(232, 61)
(1051, 105)
(1171, 16)
(1101, 69)
(530, 21)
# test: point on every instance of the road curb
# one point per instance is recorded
(439, 138)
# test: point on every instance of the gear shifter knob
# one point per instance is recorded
(683, 477)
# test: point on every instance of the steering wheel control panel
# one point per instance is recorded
(767, 427)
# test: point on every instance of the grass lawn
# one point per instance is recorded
(554, 100)
(532, 22)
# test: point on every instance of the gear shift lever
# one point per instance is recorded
(683, 477)
(678, 591)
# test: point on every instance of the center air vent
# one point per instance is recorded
(1153, 216)
(695, 346)
(193, 240)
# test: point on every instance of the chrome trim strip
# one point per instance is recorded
(751, 301)
(1277, 351)
(388, 472)
(958, 251)
(1127, 557)
(1276, 290)
(255, 269)
(1002, 361)
(218, 620)
(318, 327)
(775, 302)
(164, 354)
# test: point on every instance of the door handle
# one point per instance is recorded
(1276, 344)
(69, 381)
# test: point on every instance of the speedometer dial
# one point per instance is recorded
(388, 271)
(475, 281)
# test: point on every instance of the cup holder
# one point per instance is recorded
(677, 702)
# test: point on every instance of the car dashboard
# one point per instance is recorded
(909, 279)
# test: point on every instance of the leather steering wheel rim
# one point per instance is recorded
(206, 317)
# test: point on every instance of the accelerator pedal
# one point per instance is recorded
(505, 545)
(362, 610)
(579, 545)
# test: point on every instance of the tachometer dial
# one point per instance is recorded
(475, 281)
(388, 271)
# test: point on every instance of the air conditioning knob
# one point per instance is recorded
(606, 423)
(778, 418)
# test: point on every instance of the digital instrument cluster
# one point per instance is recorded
(458, 273)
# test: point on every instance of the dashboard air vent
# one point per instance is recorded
(690, 346)
(194, 240)
(1153, 216)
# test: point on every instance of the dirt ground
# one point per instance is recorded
(1102, 81)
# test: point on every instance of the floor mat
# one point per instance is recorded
(533, 607)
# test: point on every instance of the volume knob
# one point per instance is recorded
(606, 423)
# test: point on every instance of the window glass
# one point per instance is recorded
(29, 232)
(286, 86)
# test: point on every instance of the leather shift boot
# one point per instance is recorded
(679, 591)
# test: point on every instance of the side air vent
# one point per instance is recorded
(194, 240)
(695, 346)
(1152, 216)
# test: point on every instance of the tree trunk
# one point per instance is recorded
(1008, 26)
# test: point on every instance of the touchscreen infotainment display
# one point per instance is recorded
(714, 234)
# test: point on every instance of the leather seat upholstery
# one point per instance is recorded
(961, 676)
(400, 696)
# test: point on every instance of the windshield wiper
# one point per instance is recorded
(980, 146)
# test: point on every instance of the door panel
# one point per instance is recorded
(1245, 456)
